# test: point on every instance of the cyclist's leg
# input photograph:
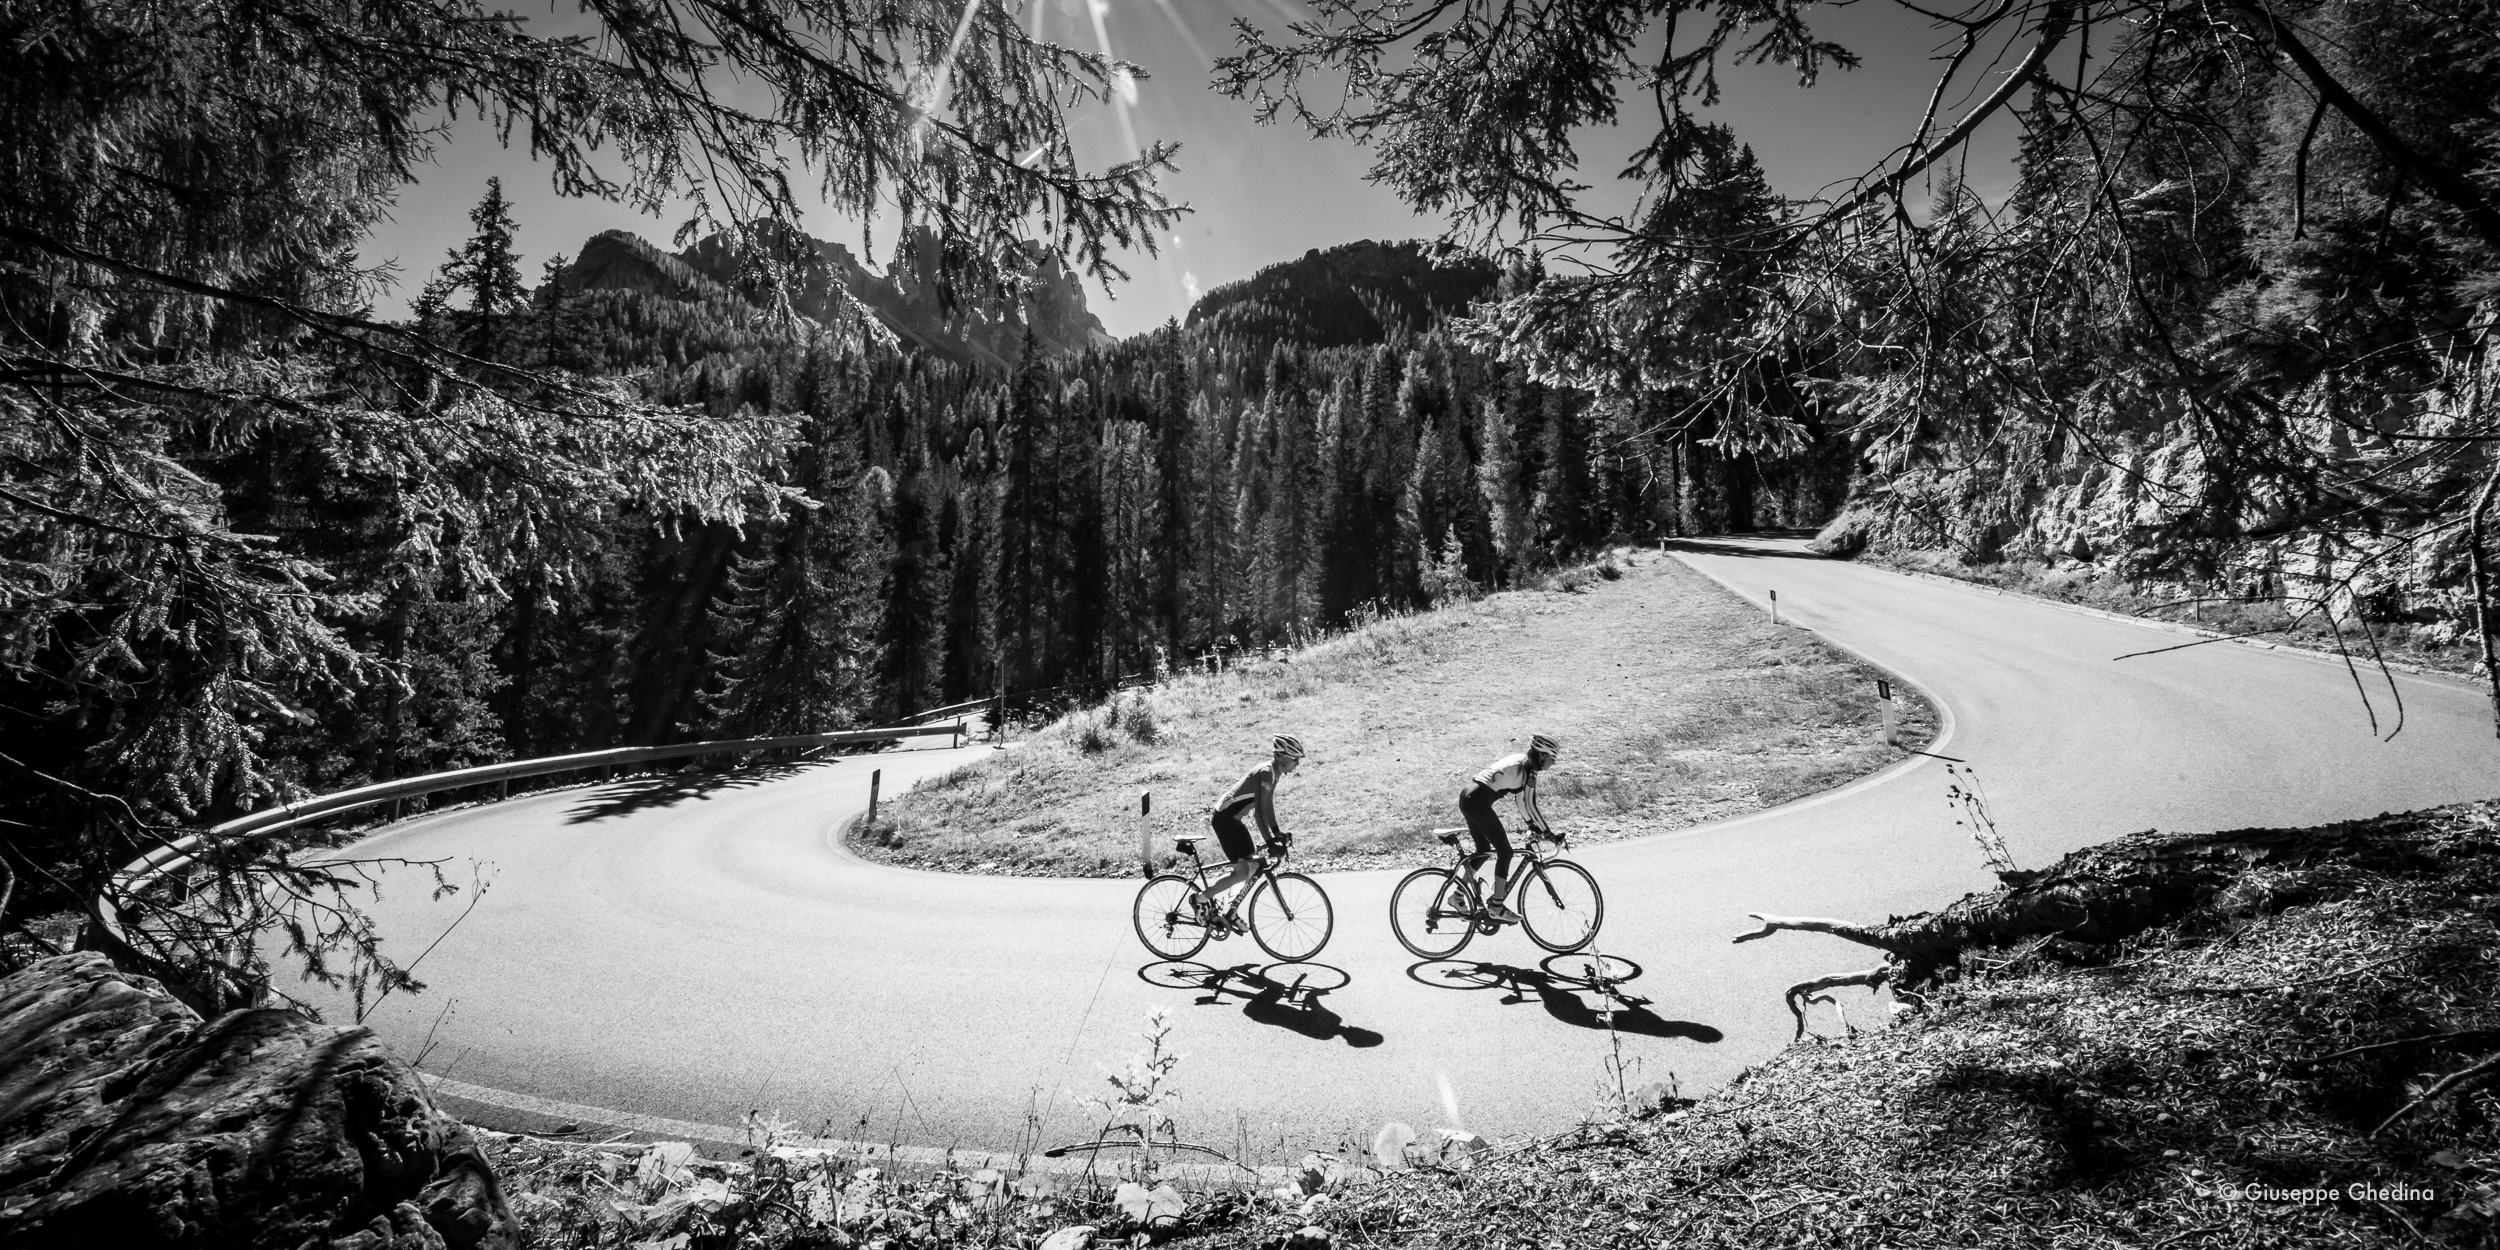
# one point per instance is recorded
(1485, 826)
(1240, 848)
(1501, 870)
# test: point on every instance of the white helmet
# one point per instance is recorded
(1288, 746)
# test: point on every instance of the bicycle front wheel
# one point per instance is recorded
(1560, 907)
(1291, 917)
(1167, 917)
(1433, 912)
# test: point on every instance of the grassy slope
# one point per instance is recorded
(1675, 703)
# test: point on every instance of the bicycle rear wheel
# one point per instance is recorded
(1560, 907)
(1433, 912)
(1167, 916)
(1291, 916)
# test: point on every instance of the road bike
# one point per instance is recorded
(1290, 916)
(1436, 911)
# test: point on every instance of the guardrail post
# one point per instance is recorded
(875, 777)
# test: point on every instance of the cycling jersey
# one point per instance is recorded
(1257, 792)
(1512, 775)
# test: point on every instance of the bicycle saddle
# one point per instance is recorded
(1186, 846)
(1449, 837)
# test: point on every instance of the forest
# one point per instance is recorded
(2229, 333)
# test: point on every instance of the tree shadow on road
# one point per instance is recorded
(649, 793)
(1741, 550)
(1284, 996)
(1565, 985)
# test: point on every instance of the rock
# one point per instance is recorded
(1308, 1237)
(1074, 1237)
(126, 1121)
(1844, 537)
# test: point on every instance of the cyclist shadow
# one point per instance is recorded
(1565, 995)
(1284, 996)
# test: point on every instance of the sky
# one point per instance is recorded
(1260, 194)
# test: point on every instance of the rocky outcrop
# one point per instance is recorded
(127, 1121)
(825, 283)
(617, 260)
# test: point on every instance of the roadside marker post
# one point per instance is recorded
(1892, 712)
(1145, 833)
(1775, 607)
(875, 778)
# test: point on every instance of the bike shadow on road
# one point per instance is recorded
(649, 793)
(1284, 996)
(1564, 986)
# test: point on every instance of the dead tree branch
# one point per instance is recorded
(2479, 1072)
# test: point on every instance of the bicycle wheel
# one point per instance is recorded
(1291, 916)
(1433, 912)
(1167, 919)
(1560, 907)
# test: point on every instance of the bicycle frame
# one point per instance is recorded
(1265, 873)
(1431, 926)
(1535, 854)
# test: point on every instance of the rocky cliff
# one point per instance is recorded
(827, 283)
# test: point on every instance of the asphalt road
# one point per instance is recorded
(672, 955)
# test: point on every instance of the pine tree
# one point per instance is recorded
(1392, 476)
(1212, 536)
(487, 268)
(1497, 483)
(1252, 575)
(1564, 499)
(799, 634)
(916, 632)
(1172, 416)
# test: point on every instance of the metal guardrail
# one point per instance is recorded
(126, 885)
(951, 709)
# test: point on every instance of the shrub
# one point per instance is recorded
(1095, 737)
(1142, 726)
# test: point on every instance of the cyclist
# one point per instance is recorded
(1511, 774)
(1255, 797)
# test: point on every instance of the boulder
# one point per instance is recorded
(127, 1121)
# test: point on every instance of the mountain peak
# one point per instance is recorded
(1354, 293)
(910, 300)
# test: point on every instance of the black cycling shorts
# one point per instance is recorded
(1233, 836)
(1475, 802)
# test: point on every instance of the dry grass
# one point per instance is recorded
(1675, 702)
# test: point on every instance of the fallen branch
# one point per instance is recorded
(1110, 1143)
(2092, 898)
(1857, 933)
(1805, 992)
(2457, 1082)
